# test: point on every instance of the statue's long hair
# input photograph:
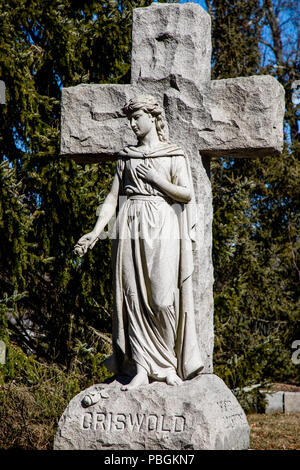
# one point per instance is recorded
(150, 105)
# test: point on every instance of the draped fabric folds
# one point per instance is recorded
(153, 319)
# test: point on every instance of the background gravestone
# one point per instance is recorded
(2, 352)
(2, 92)
(239, 117)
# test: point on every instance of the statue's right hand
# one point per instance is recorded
(84, 243)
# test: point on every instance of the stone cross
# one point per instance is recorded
(239, 117)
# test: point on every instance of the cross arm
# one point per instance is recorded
(247, 116)
(93, 128)
(238, 117)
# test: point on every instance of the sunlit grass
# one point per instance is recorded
(274, 431)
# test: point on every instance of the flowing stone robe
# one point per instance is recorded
(153, 319)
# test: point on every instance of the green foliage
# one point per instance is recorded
(256, 225)
(33, 396)
(47, 201)
(15, 258)
(14, 225)
(236, 29)
(256, 287)
(252, 401)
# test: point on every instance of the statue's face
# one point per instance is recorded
(141, 123)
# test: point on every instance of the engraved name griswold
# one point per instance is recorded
(132, 422)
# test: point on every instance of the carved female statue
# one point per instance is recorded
(153, 324)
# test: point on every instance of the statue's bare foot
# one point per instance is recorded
(141, 378)
(173, 379)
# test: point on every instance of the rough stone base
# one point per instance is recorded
(199, 414)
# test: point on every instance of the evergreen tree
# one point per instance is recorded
(45, 45)
(14, 226)
(256, 222)
(236, 29)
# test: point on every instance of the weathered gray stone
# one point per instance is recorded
(91, 120)
(2, 92)
(169, 43)
(283, 402)
(239, 117)
(199, 414)
(274, 402)
(244, 119)
(2, 352)
(292, 402)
